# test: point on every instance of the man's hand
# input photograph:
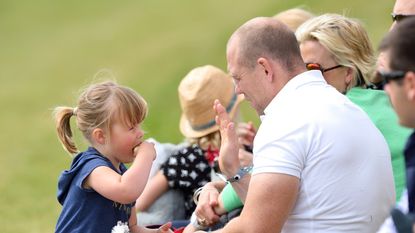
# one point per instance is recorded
(229, 149)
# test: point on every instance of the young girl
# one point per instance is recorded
(98, 192)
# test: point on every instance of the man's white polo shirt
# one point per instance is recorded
(313, 132)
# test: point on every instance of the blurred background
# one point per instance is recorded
(49, 50)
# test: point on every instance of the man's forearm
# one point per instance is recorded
(241, 187)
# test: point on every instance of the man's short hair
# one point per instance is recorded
(400, 43)
(270, 39)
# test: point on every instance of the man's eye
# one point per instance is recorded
(235, 78)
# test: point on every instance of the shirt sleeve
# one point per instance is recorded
(281, 149)
(86, 170)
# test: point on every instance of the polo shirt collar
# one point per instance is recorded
(299, 80)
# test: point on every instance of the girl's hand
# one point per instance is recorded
(245, 158)
(165, 228)
(145, 149)
(205, 209)
(246, 133)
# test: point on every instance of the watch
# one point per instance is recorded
(241, 173)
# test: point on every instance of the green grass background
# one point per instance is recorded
(50, 49)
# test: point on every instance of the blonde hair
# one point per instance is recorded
(210, 140)
(98, 106)
(346, 39)
(293, 17)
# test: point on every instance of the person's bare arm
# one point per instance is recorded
(155, 187)
(132, 222)
(134, 228)
(127, 187)
(229, 150)
(270, 200)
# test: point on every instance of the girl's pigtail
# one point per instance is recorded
(62, 117)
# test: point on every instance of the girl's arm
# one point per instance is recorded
(124, 188)
(153, 190)
(134, 228)
(132, 222)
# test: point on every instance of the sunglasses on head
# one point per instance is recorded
(389, 76)
(316, 66)
(399, 17)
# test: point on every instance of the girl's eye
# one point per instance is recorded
(134, 127)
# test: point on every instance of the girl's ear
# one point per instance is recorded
(98, 136)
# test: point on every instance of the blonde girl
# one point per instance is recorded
(98, 192)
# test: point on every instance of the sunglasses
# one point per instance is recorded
(316, 66)
(399, 17)
(389, 76)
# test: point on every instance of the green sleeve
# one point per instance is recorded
(230, 199)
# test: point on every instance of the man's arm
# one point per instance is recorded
(269, 202)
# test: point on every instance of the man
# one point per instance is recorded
(402, 9)
(399, 78)
(313, 169)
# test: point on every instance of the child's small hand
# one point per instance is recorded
(246, 133)
(245, 158)
(165, 228)
(145, 149)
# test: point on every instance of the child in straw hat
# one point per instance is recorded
(190, 167)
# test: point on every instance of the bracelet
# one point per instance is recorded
(196, 195)
(240, 174)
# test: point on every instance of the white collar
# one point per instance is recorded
(294, 83)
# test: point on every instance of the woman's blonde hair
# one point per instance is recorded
(293, 17)
(346, 39)
(99, 105)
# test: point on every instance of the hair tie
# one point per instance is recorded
(75, 111)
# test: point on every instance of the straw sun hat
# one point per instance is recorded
(197, 92)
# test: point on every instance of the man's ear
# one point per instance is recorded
(266, 68)
(98, 136)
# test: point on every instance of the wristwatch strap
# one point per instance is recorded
(241, 173)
